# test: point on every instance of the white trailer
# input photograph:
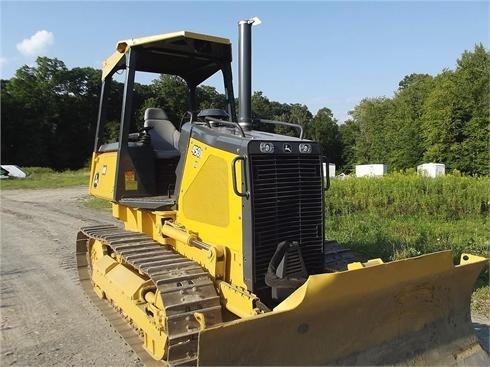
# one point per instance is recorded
(331, 170)
(431, 169)
(363, 170)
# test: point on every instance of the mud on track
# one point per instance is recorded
(46, 320)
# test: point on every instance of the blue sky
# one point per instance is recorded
(322, 53)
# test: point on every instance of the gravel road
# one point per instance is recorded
(45, 318)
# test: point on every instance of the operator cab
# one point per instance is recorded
(138, 170)
(143, 169)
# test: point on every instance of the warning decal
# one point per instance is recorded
(130, 183)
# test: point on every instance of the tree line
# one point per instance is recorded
(49, 117)
(443, 118)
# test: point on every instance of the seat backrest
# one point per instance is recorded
(164, 136)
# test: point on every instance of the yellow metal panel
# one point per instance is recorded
(121, 277)
(235, 268)
(201, 201)
(123, 46)
(359, 265)
(219, 221)
(231, 235)
(128, 282)
(103, 175)
(240, 302)
(104, 264)
(137, 220)
(383, 314)
(110, 63)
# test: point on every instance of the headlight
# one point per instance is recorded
(305, 148)
(266, 148)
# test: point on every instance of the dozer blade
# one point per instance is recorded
(408, 312)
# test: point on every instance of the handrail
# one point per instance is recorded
(285, 124)
(224, 122)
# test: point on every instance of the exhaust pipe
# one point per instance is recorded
(245, 72)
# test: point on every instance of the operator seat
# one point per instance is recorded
(164, 136)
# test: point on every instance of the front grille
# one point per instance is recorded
(286, 205)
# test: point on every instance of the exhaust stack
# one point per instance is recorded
(245, 71)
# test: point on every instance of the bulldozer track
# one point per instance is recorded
(185, 288)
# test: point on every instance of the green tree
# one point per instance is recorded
(371, 115)
(49, 115)
(473, 92)
(170, 93)
(263, 108)
(456, 115)
(209, 97)
(404, 122)
(32, 116)
(349, 134)
(324, 129)
(79, 107)
(295, 113)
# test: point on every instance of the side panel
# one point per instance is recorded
(103, 174)
(207, 204)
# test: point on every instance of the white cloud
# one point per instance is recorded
(37, 44)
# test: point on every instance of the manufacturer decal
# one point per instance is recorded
(197, 151)
(287, 148)
(96, 180)
(130, 182)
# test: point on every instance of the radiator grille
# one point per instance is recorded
(286, 205)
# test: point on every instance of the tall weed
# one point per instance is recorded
(400, 216)
(446, 197)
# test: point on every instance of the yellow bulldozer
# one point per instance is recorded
(222, 259)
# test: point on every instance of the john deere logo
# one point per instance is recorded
(287, 148)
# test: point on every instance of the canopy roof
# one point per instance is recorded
(192, 56)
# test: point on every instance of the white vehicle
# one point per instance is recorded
(11, 171)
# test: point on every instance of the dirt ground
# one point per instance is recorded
(45, 318)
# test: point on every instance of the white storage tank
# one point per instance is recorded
(363, 170)
(331, 170)
(431, 169)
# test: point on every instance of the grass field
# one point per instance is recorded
(398, 216)
(43, 178)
